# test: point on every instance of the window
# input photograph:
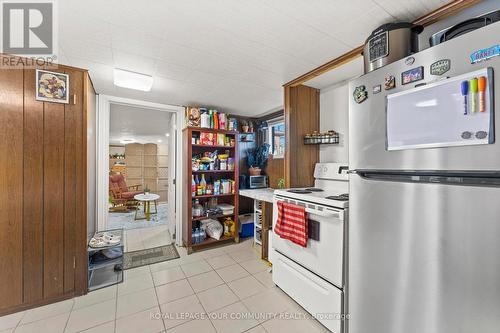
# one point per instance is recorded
(275, 137)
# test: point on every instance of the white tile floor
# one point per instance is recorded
(146, 238)
(202, 292)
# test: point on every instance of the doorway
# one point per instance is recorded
(139, 156)
(138, 145)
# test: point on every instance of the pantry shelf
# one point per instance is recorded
(211, 241)
(199, 218)
(213, 196)
(192, 138)
(212, 171)
(213, 146)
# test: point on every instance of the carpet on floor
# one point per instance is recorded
(149, 256)
(125, 220)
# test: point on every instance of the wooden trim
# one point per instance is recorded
(436, 15)
(445, 11)
(37, 303)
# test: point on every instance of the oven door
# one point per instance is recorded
(325, 247)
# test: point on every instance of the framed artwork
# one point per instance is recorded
(193, 116)
(52, 87)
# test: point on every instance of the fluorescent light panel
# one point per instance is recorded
(132, 80)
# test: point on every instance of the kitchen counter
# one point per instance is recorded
(262, 194)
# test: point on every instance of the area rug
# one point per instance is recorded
(149, 256)
(125, 220)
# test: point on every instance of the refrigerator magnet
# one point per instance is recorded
(360, 94)
(485, 54)
(376, 89)
(410, 61)
(412, 75)
(440, 67)
(389, 82)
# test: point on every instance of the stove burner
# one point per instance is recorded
(314, 189)
(299, 191)
(341, 197)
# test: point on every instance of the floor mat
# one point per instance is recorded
(149, 256)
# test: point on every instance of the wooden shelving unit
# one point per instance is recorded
(232, 198)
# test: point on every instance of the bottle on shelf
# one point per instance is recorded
(217, 187)
(203, 184)
(205, 120)
(193, 187)
(197, 209)
(194, 235)
(202, 235)
(216, 120)
(229, 227)
(210, 188)
(211, 116)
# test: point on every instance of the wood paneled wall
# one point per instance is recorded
(43, 198)
(275, 170)
(301, 117)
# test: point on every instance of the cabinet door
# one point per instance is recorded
(11, 187)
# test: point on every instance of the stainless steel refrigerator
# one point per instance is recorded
(424, 222)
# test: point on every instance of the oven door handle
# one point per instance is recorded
(323, 213)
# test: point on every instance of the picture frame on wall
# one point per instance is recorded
(52, 87)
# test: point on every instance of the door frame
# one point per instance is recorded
(103, 122)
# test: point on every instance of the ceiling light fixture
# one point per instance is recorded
(125, 141)
(167, 135)
(160, 141)
(132, 80)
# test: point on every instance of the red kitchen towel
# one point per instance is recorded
(292, 223)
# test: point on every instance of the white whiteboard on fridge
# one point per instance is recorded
(433, 116)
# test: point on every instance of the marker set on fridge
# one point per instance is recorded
(476, 88)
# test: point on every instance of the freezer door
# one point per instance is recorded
(367, 120)
(423, 258)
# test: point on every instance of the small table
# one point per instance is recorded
(146, 199)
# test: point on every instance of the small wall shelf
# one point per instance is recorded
(322, 139)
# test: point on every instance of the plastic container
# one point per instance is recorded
(227, 209)
(246, 225)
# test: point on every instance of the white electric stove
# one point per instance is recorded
(330, 188)
(314, 276)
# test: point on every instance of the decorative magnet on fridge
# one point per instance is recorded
(376, 89)
(412, 75)
(440, 67)
(485, 54)
(52, 87)
(389, 82)
(410, 61)
(360, 94)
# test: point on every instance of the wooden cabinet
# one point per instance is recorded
(43, 201)
(301, 117)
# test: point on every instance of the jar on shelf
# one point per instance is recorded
(307, 139)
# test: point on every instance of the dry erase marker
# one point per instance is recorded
(464, 87)
(481, 85)
(473, 91)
